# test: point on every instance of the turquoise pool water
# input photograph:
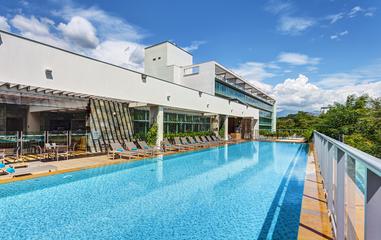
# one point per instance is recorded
(244, 191)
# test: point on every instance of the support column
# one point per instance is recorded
(273, 122)
(156, 115)
(33, 121)
(255, 128)
(226, 128)
(216, 124)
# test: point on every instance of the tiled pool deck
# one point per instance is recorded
(314, 220)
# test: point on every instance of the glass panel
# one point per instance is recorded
(355, 201)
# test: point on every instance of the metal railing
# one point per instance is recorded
(352, 183)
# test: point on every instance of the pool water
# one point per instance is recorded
(251, 190)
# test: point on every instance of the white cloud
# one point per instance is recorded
(31, 25)
(39, 30)
(297, 59)
(110, 26)
(194, 46)
(122, 53)
(339, 35)
(255, 73)
(276, 6)
(294, 25)
(80, 31)
(4, 24)
(354, 11)
(335, 17)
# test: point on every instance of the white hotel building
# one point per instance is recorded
(44, 88)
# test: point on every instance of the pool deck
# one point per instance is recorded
(314, 219)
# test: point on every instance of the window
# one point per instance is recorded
(158, 58)
(154, 59)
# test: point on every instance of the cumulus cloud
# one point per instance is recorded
(80, 31)
(112, 27)
(294, 25)
(31, 25)
(38, 29)
(89, 31)
(122, 53)
(255, 73)
(194, 46)
(297, 59)
(4, 24)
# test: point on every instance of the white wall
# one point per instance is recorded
(202, 81)
(24, 62)
(171, 57)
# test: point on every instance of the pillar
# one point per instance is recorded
(33, 122)
(255, 128)
(273, 115)
(226, 128)
(156, 114)
(216, 124)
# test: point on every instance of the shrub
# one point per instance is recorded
(152, 134)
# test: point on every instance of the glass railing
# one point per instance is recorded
(352, 181)
(27, 146)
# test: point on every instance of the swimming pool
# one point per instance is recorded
(251, 190)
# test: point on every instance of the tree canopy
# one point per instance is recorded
(357, 122)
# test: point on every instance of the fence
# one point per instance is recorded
(19, 145)
(285, 134)
(352, 181)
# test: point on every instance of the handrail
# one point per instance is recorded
(353, 204)
(371, 161)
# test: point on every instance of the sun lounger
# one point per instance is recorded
(167, 146)
(185, 141)
(209, 138)
(117, 150)
(215, 139)
(193, 142)
(201, 141)
(205, 139)
(130, 146)
(144, 145)
(179, 143)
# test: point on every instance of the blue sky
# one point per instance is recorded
(307, 54)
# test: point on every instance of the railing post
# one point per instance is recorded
(329, 187)
(372, 206)
(340, 199)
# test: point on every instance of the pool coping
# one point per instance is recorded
(314, 220)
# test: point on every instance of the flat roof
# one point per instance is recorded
(167, 41)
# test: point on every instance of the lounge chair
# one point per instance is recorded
(130, 146)
(117, 150)
(205, 139)
(144, 145)
(225, 141)
(209, 138)
(201, 141)
(179, 143)
(185, 141)
(215, 139)
(193, 142)
(167, 146)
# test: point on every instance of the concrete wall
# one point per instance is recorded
(204, 80)
(161, 61)
(24, 62)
